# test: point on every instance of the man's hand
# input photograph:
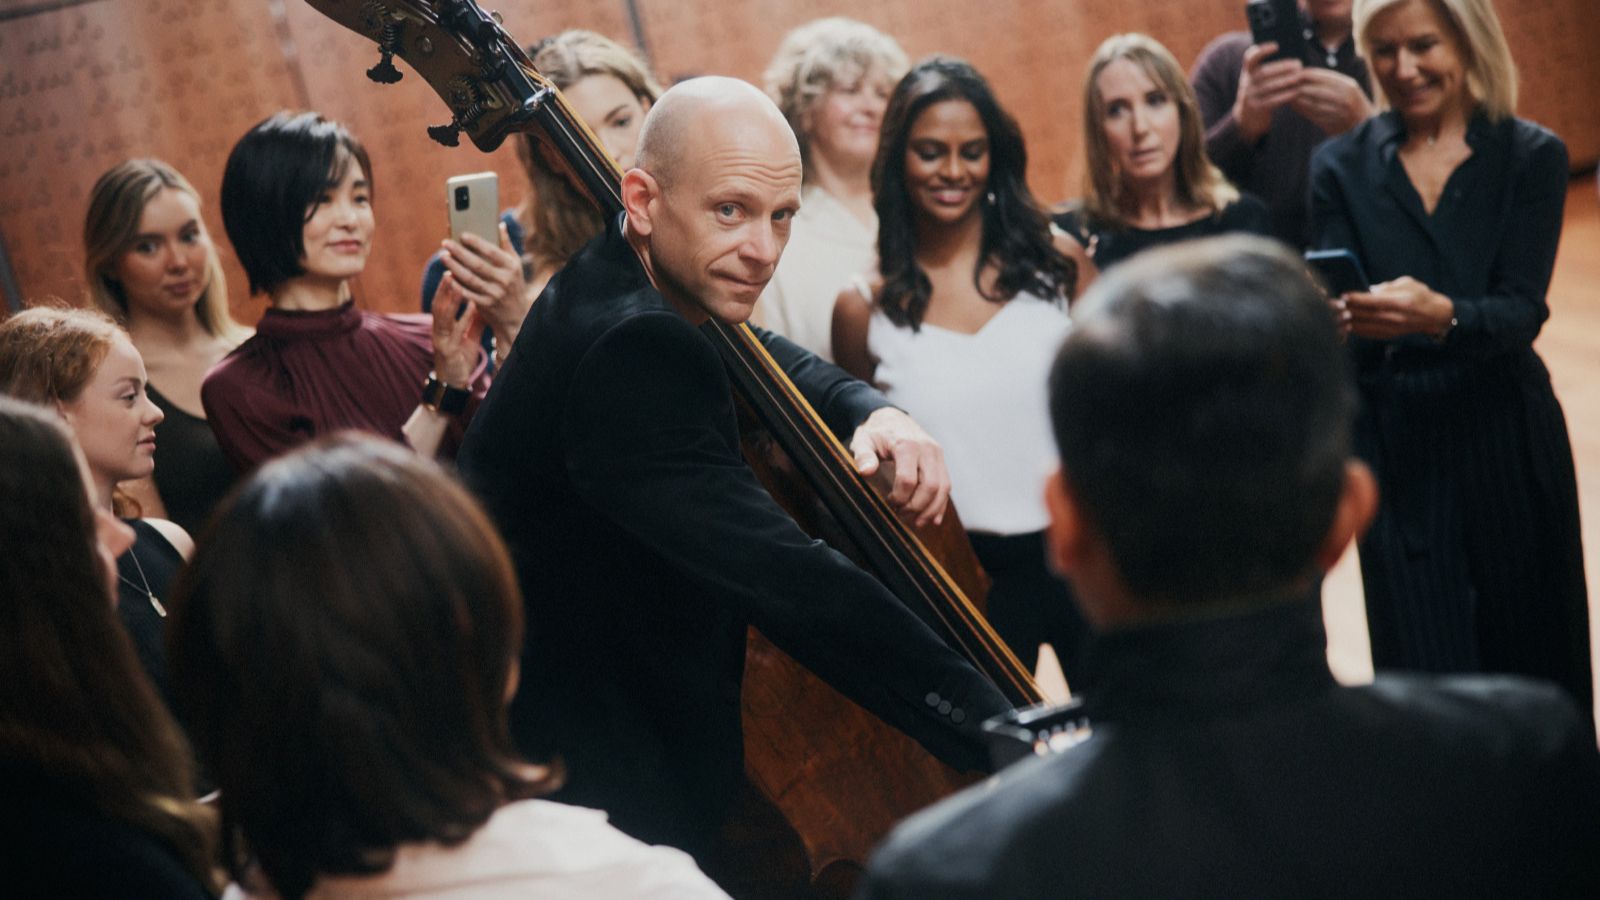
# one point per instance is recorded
(921, 482)
(1333, 101)
(1263, 87)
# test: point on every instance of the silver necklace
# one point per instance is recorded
(154, 603)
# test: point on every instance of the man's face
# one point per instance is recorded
(721, 219)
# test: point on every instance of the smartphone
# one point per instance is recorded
(475, 206)
(1338, 270)
(1277, 20)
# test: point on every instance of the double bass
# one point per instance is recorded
(832, 779)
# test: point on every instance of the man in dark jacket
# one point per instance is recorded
(1203, 410)
(608, 453)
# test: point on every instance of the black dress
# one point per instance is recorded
(1111, 245)
(1475, 561)
(154, 562)
(191, 472)
(54, 842)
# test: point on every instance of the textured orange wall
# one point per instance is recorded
(87, 85)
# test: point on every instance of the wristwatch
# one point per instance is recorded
(442, 398)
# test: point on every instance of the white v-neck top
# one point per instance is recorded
(984, 398)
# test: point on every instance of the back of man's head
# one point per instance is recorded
(1202, 406)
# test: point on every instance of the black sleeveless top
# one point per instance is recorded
(191, 472)
(151, 559)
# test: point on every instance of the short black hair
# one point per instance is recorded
(274, 179)
(1202, 405)
(341, 647)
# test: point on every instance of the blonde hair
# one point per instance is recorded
(1197, 182)
(557, 218)
(1491, 74)
(116, 206)
(819, 55)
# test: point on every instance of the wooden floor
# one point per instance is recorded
(1570, 345)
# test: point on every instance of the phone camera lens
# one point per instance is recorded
(463, 198)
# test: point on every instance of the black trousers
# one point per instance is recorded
(1028, 604)
(1475, 561)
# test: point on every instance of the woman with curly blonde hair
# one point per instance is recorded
(832, 79)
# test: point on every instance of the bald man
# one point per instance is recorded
(609, 454)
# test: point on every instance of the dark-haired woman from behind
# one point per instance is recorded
(97, 782)
(297, 201)
(352, 707)
(1147, 180)
(960, 324)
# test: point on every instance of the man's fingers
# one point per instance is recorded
(866, 457)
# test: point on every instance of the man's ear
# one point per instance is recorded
(1066, 533)
(1358, 503)
(639, 193)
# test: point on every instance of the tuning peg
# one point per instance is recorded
(448, 135)
(385, 72)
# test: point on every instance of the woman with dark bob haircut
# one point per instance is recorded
(961, 321)
(297, 205)
(352, 706)
(97, 780)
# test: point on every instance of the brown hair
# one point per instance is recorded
(355, 699)
(74, 703)
(116, 206)
(557, 218)
(1198, 183)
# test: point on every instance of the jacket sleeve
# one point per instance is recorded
(842, 400)
(1216, 86)
(1510, 313)
(648, 446)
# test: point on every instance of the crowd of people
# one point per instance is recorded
(456, 603)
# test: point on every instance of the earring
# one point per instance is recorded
(989, 198)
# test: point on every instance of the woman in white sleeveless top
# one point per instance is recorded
(961, 321)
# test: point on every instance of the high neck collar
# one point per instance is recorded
(1200, 667)
(281, 323)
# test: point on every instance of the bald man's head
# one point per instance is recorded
(701, 109)
(710, 201)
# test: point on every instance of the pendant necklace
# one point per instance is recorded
(154, 603)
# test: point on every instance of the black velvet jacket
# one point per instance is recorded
(608, 452)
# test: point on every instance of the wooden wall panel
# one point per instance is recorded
(86, 87)
(90, 84)
(392, 120)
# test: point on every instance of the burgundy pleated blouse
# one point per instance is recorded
(304, 374)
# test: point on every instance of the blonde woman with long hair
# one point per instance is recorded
(150, 264)
(1453, 205)
(1148, 181)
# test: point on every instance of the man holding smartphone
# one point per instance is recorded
(1264, 116)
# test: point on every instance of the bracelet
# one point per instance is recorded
(443, 398)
